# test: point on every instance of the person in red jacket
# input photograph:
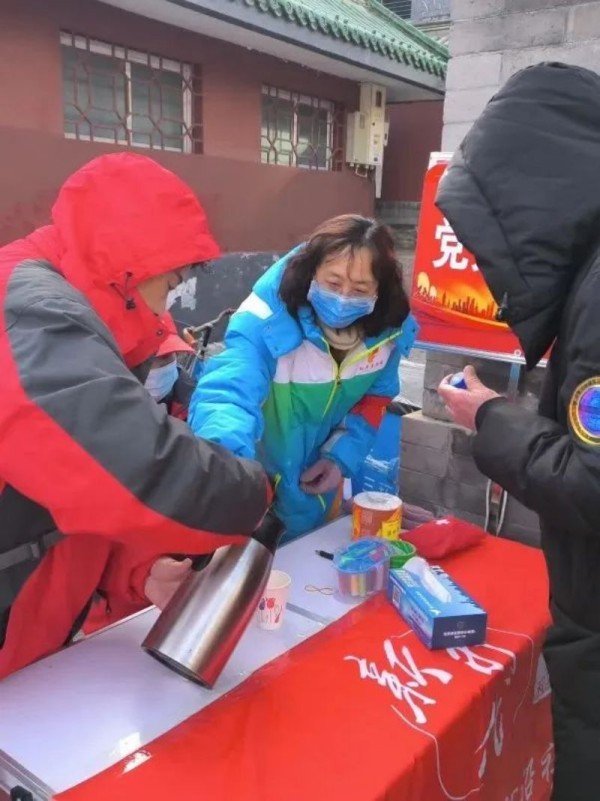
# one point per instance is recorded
(170, 384)
(98, 483)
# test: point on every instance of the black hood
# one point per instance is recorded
(522, 193)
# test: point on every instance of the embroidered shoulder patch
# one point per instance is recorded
(584, 411)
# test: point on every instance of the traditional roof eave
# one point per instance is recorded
(238, 23)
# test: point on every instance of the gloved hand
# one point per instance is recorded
(413, 516)
(165, 576)
(323, 476)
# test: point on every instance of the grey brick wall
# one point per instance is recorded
(438, 473)
(492, 39)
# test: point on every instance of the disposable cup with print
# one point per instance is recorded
(271, 608)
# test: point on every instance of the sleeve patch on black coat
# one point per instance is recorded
(584, 411)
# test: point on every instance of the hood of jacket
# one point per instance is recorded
(521, 194)
(119, 220)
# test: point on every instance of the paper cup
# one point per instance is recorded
(272, 604)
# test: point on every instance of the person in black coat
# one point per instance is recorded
(523, 195)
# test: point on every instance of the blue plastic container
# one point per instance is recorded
(458, 381)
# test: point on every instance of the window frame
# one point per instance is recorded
(296, 99)
(130, 56)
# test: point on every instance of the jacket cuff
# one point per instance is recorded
(336, 450)
(484, 409)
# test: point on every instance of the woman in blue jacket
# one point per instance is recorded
(311, 361)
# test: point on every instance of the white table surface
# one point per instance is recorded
(298, 558)
(76, 713)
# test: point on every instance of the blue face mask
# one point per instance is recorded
(161, 380)
(338, 311)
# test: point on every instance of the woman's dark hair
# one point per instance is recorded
(334, 236)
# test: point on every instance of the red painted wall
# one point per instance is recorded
(251, 206)
(415, 132)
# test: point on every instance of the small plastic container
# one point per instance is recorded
(400, 553)
(458, 381)
(362, 567)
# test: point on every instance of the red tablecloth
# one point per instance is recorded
(363, 711)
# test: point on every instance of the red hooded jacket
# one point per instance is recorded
(98, 481)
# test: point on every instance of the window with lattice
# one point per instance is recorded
(114, 94)
(420, 10)
(301, 131)
(403, 8)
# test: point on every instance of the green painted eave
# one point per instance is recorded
(363, 23)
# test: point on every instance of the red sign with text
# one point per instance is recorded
(450, 299)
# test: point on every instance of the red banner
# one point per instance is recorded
(363, 712)
(450, 299)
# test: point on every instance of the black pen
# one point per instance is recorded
(324, 554)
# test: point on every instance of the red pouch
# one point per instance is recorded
(442, 537)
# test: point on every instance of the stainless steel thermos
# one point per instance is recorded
(198, 630)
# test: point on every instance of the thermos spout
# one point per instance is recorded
(201, 625)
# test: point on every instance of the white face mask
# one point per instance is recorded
(160, 380)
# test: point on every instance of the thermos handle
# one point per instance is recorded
(269, 531)
(199, 561)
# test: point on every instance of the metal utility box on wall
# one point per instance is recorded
(366, 129)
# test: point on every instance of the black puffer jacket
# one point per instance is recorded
(523, 194)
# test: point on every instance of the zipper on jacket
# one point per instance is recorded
(277, 481)
(338, 367)
(337, 380)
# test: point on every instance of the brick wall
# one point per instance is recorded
(438, 473)
(492, 39)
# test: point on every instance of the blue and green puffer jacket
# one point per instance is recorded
(277, 394)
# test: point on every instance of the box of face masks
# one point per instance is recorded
(439, 611)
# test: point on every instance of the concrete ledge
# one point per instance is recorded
(398, 212)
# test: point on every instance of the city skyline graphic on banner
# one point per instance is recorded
(441, 284)
(472, 304)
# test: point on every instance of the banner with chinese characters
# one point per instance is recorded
(362, 711)
(450, 299)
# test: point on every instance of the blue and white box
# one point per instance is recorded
(440, 612)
